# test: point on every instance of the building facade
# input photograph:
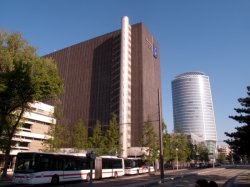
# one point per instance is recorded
(193, 107)
(118, 72)
(33, 132)
(223, 149)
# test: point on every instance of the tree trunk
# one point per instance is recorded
(10, 134)
(3, 124)
(6, 160)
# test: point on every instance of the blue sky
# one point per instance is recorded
(195, 35)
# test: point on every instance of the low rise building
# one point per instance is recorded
(33, 132)
(224, 149)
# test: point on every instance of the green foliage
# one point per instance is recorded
(167, 148)
(97, 141)
(221, 157)
(180, 146)
(239, 140)
(164, 127)
(24, 78)
(54, 140)
(193, 151)
(149, 140)
(175, 145)
(80, 136)
(5, 139)
(113, 146)
(202, 151)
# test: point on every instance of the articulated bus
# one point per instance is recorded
(40, 168)
(136, 166)
(108, 166)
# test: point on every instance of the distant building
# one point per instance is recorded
(195, 139)
(224, 149)
(118, 72)
(33, 131)
(193, 107)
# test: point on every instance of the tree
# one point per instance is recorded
(24, 78)
(149, 140)
(164, 127)
(112, 137)
(202, 151)
(221, 157)
(180, 147)
(239, 140)
(176, 144)
(97, 141)
(80, 136)
(57, 136)
(193, 151)
(54, 139)
(167, 148)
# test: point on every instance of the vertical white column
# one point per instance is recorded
(125, 86)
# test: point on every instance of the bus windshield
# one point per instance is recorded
(25, 163)
(132, 163)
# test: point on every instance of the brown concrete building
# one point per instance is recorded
(119, 73)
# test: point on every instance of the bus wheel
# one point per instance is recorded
(88, 177)
(55, 180)
(116, 174)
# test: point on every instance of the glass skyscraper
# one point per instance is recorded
(193, 107)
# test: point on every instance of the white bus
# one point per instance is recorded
(108, 166)
(41, 168)
(136, 166)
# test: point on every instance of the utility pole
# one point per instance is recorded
(160, 137)
(177, 158)
(91, 157)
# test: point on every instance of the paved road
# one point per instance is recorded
(183, 178)
(224, 177)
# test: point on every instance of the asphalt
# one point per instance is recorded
(238, 181)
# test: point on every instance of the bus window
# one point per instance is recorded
(82, 163)
(70, 164)
(59, 161)
(106, 163)
(117, 163)
(44, 163)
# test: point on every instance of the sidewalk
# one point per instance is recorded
(6, 181)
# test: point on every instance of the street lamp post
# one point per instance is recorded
(177, 158)
(91, 157)
(160, 137)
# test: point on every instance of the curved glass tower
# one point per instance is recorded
(193, 107)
